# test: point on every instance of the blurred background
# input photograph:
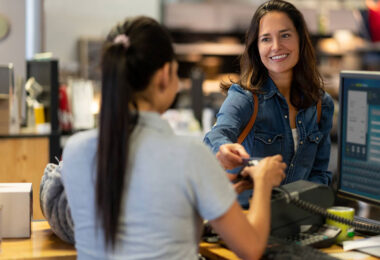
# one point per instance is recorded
(50, 50)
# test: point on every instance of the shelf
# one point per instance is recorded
(222, 49)
(369, 47)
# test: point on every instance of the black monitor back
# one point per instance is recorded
(6, 79)
(46, 74)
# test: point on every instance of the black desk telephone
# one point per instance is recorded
(303, 204)
(298, 213)
(300, 223)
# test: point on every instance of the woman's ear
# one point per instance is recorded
(164, 76)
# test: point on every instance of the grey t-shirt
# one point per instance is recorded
(175, 183)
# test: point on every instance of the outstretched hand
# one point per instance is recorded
(231, 156)
(270, 171)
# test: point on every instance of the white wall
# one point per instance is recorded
(12, 48)
(67, 20)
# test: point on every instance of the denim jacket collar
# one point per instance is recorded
(270, 89)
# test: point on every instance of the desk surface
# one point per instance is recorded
(43, 244)
(215, 251)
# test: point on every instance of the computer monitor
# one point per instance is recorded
(45, 73)
(359, 136)
(6, 80)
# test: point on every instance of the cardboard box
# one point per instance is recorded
(16, 209)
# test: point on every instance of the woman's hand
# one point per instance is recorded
(243, 185)
(269, 172)
(231, 156)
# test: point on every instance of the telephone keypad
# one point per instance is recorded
(322, 237)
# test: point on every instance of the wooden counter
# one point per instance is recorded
(43, 244)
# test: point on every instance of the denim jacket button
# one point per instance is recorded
(269, 140)
(286, 116)
(291, 165)
(299, 122)
(317, 138)
(301, 142)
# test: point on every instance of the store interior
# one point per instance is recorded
(52, 50)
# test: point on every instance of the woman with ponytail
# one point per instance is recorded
(137, 191)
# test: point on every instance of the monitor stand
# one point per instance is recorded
(362, 209)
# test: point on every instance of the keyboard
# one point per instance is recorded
(280, 249)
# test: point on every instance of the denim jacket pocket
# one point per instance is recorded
(309, 150)
(267, 144)
(315, 137)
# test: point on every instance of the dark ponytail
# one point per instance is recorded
(127, 68)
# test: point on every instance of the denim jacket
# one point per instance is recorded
(271, 133)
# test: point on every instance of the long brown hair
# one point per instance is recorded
(307, 83)
(127, 67)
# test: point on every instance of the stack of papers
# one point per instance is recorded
(361, 243)
(366, 245)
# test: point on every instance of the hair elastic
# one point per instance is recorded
(122, 39)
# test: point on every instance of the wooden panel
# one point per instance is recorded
(24, 160)
(4, 116)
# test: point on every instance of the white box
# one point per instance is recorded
(16, 209)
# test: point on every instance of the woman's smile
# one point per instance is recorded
(278, 43)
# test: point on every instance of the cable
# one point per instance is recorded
(323, 212)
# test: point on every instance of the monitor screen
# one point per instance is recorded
(359, 136)
(6, 79)
(45, 72)
(41, 71)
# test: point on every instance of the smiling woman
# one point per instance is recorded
(279, 67)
